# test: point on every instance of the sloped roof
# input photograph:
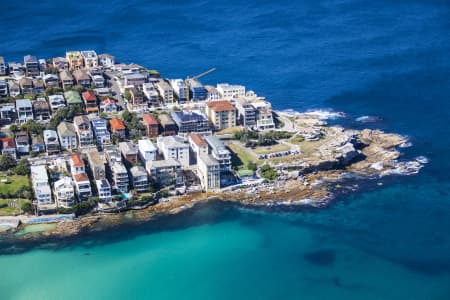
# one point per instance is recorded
(222, 105)
(117, 124)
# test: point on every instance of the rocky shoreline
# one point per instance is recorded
(309, 181)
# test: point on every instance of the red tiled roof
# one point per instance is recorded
(150, 120)
(108, 101)
(76, 160)
(198, 140)
(81, 177)
(117, 124)
(7, 143)
(222, 105)
(89, 96)
(88, 109)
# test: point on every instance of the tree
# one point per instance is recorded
(22, 167)
(251, 166)
(7, 162)
(14, 127)
(32, 127)
(26, 206)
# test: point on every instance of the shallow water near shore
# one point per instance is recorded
(365, 58)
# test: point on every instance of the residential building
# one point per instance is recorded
(56, 102)
(98, 80)
(135, 80)
(42, 66)
(82, 78)
(76, 164)
(7, 114)
(168, 126)
(191, 122)
(73, 98)
(74, 59)
(101, 132)
(174, 147)
(139, 179)
(221, 114)
(179, 88)
(165, 91)
(8, 146)
(90, 59)
(117, 127)
(84, 131)
(198, 145)
(128, 68)
(108, 105)
(66, 79)
(197, 91)
(60, 63)
(165, 172)
(24, 110)
(26, 86)
(219, 152)
(41, 187)
(51, 80)
(31, 65)
(147, 151)
(97, 164)
(90, 102)
(151, 93)
(64, 192)
(41, 110)
(3, 88)
(22, 142)
(16, 69)
(104, 190)
(246, 113)
(82, 186)
(51, 141)
(13, 88)
(3, 68)
(261, 108)
(208, 169)
(129, 152)
(212, 94)
(37, 144)
(120, 176)
(38, 86)
(106, 60)
(136, 102)
(228, 91)
(151, 126)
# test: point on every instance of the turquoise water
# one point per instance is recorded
(377, 58)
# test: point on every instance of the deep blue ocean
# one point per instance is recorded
(389, 59)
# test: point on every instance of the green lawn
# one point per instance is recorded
(240, 157)
(14, 183)
(7, 210)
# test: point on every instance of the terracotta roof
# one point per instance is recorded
(109, 100)
(88, 109)
(7, 143)
(77, 161)
(222, 105)
(150, 120)
(89, 96)
(81, 177)
(117, 124)
(198, 140)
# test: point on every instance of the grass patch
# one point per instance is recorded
(13, 185)
(240, 157)
(230, 130)
(11, 208)
(271, 149)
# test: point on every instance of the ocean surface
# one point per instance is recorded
(387, 59)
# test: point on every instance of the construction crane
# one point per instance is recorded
(188, 86)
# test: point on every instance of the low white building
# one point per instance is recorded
(228, 91)
(175, 148)
(165, 172)
(219, 152)
(56, 102)
(83, 186)
(104, 190)
(64, 192)
(139, 179)
(198, 144)
(41, 188)
(147, 151)
(90, 59)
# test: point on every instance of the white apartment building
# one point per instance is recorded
(64, 192)
(90, 59)
(41, 187)
(228, 91)
(175, 148)
(147, 151)
(104, 190)
(208, 169)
